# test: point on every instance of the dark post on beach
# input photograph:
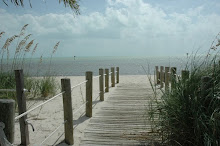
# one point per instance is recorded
(21, 99)
(101, 84)
(7, 118)
(68, 111)
(89, 94)
(106, 80)
(161, 76)
(113, 76)
(117, 77)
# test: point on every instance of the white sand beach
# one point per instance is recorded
(48, 117)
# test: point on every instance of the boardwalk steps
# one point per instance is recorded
(122, 119)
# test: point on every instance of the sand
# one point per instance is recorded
(47, 118)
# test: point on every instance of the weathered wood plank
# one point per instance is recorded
(122, 120)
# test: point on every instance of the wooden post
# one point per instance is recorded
(21, 99)
(89, 94)
(68, 111)
(157, 75)
(7, 116)
(173, 77)
(113, 76)
(107, 80)
(161, 76)
(167, 78)
(185, 75)
(101, 84)
(117, 77)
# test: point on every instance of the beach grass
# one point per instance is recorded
(24, 46)
(189, 114)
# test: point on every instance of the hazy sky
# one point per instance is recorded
(116, 27)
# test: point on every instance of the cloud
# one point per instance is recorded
(131, 25)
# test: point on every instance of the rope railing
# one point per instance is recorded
(52, 133)
(7, 90)
(166, 77)
(78, 84)
(96, 77)
(97, 97)
(80, 107)
(67, 101)
(25, 113)
(12, 90)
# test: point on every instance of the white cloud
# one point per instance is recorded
(127, 21)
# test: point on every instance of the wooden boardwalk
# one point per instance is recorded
(122, 119)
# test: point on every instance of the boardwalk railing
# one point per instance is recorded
(67, 106)
(168, 78)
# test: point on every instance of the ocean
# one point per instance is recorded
(78, 66)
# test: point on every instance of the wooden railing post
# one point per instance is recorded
(7, 116)
(167, 78)
(67, 109)
(21, 99)
(101, 84)
(173, 77)
(161, 76)
(89, 94)
(157, 75)
(113, 76)
(117, 77)
(107, 80)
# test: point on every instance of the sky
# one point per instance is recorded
(115, 27)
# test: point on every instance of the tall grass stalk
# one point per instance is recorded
(41, 87)
(185, 116)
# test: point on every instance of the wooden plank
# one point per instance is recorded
(122, 120)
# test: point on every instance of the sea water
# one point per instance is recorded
(77, 66)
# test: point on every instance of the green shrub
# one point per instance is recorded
(7, 81)
(47, 86)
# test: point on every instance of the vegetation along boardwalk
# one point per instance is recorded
(122, 119)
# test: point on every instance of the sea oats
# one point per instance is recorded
(9, 41)
(28, 46)
(55, 47)
(35, 47)
(213, 48)
(218, 44)
(23, 29)
(27, 37)
(22, 43)
(8, 54)
(41, 59)
(1, 33)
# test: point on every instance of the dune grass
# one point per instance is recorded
(23, 47)
(188, 115)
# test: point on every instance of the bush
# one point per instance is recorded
(47, 86)
(7, 81)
